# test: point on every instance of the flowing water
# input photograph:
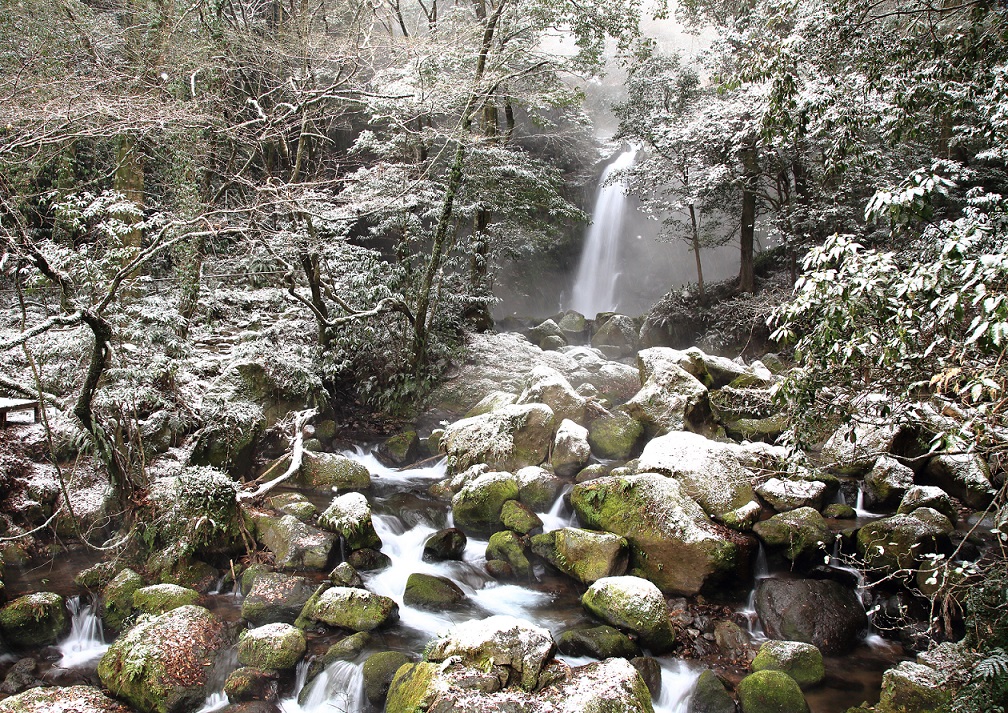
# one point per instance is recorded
(86, 642)
(595, 285)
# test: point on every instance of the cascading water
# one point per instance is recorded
(595, 285)
(86, 642)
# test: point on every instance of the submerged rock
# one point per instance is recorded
(821, 612)
(635, 605)
(506, 439)
(33, 620)
(585, 555)
(672, 542)
(163, 664)
(801, 661)
(708, 471)
(75, 699)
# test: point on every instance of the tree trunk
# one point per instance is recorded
(747, 279)
(129, 180)
(696, 250)
(190, 268)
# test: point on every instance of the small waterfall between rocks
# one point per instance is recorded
(86, 642)
(595, 285)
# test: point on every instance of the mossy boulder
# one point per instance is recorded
(821, 612)
(276, 597)
(446, 544)
(617, 336)
(571, 451)
(965, 476)
(326, 471)
(709, 472)
(347, 648)
(491, 402)
(349, 516)
(585, 555)
(783, 494)
(251, 684)
(887, 482)
(897, 543)
(600, 642)
(913, 688)
(355, 609)
(506, 439)
(513, 651)
(672, 541)
(368, 560)
(839, 511)
(379, 670)
(294, 544)
(770, 692)
(801, 661)
(229, 443)
(802, 534)
(928, 496)
(159, 598)
(117, 598)
(508, 547)
(670, 399)
(538, 488)
(72, 699)
(432, 592)
(33, 620)
(344, 575)
(710, 696)
(548, 386)
(477, 506)
(614, 435)
(635, 605)
(272, 646)
(519, 518)
(295, 504)
(399, 449)
(163, 664)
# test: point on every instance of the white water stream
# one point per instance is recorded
(86, 642)
(595, 285)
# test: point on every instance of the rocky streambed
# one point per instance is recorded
(582, 534)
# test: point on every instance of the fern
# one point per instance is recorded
(992, 667)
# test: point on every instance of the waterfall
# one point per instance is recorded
(86, 641)
(594, 288)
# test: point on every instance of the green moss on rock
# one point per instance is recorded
(250, 684)
(159, 598)
(477, 506)
(411, 688)
(71, 699)
(635, 605)
(508, 547)
(770, 692)
(519, 518)
(273, 646)
(33, 620)
(379, 670)
(802, 662)
(599, 642)
(355, 609)
(431, 592)
(324, 471)
(117, 598)
(614, 435)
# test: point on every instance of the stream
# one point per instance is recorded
(404, 515)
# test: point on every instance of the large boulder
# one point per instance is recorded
(585, 555)
(928, 496)
(273, 646)
(164, 664)
(770, 692)
(508, 547)
(432, 592)
(506, 439)
(72, 699)
(748, 412)
(538, 488)
(821, 612)
(117, 598)
(672, 541)
(379, 670)
(962, 475)
(617, 337)
(670, 399)
(788, 494)
(276, 597)
(446, 544)
(708, 471)
(294, 544)
(159, 598)
(477, 506)
(887, 482)
(571, 451)
(710, 696)
(615, 434)
(328, 471)
(548, 386)
(854, 448)
(353, 608)
(912, 687)
(635, 605)
(801, 661)
(33, 620)
(900, 542)
(803, 534)
(513, 651)
(349, 516)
